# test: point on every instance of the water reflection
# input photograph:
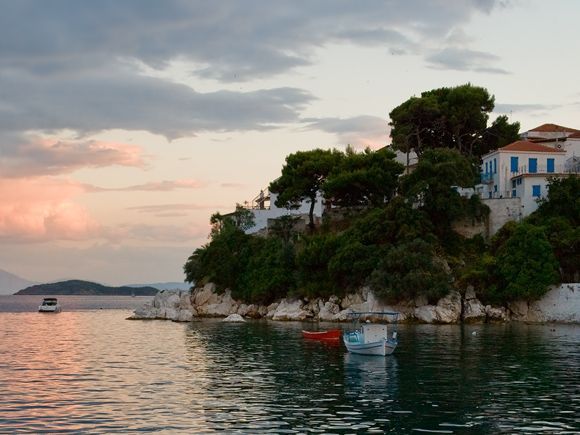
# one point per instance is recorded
(94, 372)
(372, 376)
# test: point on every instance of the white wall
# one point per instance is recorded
(503, 178)
(261, 216)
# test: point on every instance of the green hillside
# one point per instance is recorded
(78, 287)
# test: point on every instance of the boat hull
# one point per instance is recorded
(381, 348)
(49, 310)
(332, 334)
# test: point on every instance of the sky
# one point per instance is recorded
(124, 124)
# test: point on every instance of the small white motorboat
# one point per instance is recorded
(49, 305)
(372, 338)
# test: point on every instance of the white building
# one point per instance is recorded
(557, 136)
(521, 170)
(264, 209)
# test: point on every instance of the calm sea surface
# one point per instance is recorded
(89, 370)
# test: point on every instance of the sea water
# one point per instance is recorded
(89, 370)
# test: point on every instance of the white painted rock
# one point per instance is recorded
(560, 304)
(234, 318)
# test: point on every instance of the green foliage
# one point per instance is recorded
(352, 264)
(223, 260)
(284, 228)
(565, 241)
(500, 133)
(241, 219)
(312, 258)
(563, 200)
(269, 274)
(431, 186)
(525, 265)
(363, 179)
(444, 118)
(302, 177)
(408, 270)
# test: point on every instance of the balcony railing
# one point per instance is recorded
(486, 178)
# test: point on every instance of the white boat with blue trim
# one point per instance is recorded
(372, 338)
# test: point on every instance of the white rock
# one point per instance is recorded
(205, 296)
(474, 311)
(426, 314)
(271, 310)
(329, 311)
(290, 310)
(167, 304)
(234, 318)
(350, 300)
(147, 311)
(496, 314)
(224, 306)
(449, 308)
(519, 310)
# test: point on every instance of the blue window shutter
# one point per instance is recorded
(514, 164)
(533, 165)
(495, 166)
(513, 193)
(550, 166)
(536, 190)
(486, 168)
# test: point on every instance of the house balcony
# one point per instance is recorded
(486, 178)
(541, 170)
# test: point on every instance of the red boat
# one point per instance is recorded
(331, 334)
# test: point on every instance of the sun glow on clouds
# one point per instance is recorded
(43, 209)
(38, 155)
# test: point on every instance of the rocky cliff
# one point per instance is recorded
(561, 304)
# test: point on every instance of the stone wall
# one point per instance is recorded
(501, 211)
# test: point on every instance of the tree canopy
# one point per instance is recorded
(363, 179)
(449, 118)
(302, 178)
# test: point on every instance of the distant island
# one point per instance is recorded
(85, 288)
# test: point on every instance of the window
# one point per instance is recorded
(536, 190)
(550, 165)
(486, 168)
(533, 165)
(513, 184)
(519, 181)
(495, 188)
(514, 164)
(495, 166)
(513, 193)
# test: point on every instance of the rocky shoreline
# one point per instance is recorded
(561, 304)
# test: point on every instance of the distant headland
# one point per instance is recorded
(85, 288)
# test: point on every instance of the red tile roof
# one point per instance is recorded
(554, 128)
(527, 146)
(574, 135)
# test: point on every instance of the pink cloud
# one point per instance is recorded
(39, 156)
(154, 186)
(42, 209)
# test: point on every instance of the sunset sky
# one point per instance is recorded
(125, 124)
